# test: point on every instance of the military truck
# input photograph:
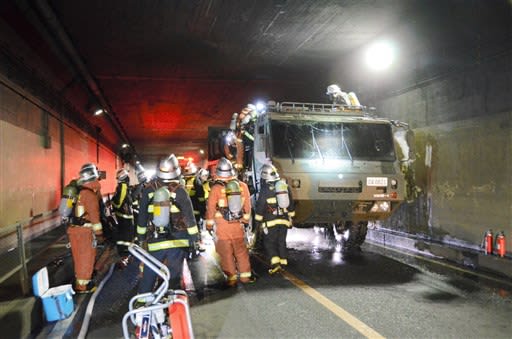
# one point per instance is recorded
(345, 166)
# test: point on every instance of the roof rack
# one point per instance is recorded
(312, 108)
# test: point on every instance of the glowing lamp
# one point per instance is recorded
(380, 56)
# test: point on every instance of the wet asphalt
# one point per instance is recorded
(376, 293)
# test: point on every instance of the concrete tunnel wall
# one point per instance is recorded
(30, 173)
(466, 121)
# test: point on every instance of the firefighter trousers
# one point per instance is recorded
(173, 259)
(83, 251)
(274, 244)
(234, 258)
(125, 232)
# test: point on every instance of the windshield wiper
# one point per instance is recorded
(288, 144)
(315, 144)
(344, 142)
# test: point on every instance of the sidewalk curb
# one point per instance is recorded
(460, 255)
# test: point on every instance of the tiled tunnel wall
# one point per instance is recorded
(466, 120)
(30, 170)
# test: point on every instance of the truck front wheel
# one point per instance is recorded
(354, 235)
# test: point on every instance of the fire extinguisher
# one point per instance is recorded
(500, 244)
(487, 242)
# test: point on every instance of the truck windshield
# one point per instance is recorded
(332, 140)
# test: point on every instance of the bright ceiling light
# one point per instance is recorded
(380, 56)
(99, 111)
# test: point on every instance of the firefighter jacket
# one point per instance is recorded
(267, 209)
(122, 202)
(136, 195)
(182, 231)
(87, 208)
(192, 193)
(199, 196)
(217, 202)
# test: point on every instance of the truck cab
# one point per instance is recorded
(345, 166)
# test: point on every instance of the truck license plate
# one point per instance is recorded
(377, 181)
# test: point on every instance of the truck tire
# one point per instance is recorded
(351, 240)
(363, 229)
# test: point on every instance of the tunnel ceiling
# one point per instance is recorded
(170, 69)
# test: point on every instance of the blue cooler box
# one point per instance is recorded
(57, 301)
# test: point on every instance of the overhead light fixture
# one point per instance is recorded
(99, 111)
(125, 146)
(380, 55)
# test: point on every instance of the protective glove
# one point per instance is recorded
(195, 248)
(100, 239)
(264, 228)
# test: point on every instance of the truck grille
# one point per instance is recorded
(340, 189)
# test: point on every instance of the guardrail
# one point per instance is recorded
(13, 240)
(14, 254)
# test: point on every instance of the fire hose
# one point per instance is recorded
(90, 305)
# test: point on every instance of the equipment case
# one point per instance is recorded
(57, 301)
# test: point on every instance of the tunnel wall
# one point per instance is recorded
(465, 119)
(33, 162)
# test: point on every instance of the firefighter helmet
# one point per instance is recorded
(88, 172)
(224, 169)
(141, 177)
(203, 174)
(168, 169)
(140, 173)
(190, 169)
(269, 173)
(122, 175)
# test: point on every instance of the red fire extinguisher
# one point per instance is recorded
(500, 244)
(487, 242)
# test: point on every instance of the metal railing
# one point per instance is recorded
(13, 250)
(16, 250)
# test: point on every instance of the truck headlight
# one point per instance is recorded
(394, 184)
(380, 206)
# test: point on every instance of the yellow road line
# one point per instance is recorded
(357, 324)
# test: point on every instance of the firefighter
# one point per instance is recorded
(123, 211)
(166, 223)
(201, 188)
(234, 149)
(228, 211)
(136, 190)
(273, 213)
(189, 176)
(86, 229)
